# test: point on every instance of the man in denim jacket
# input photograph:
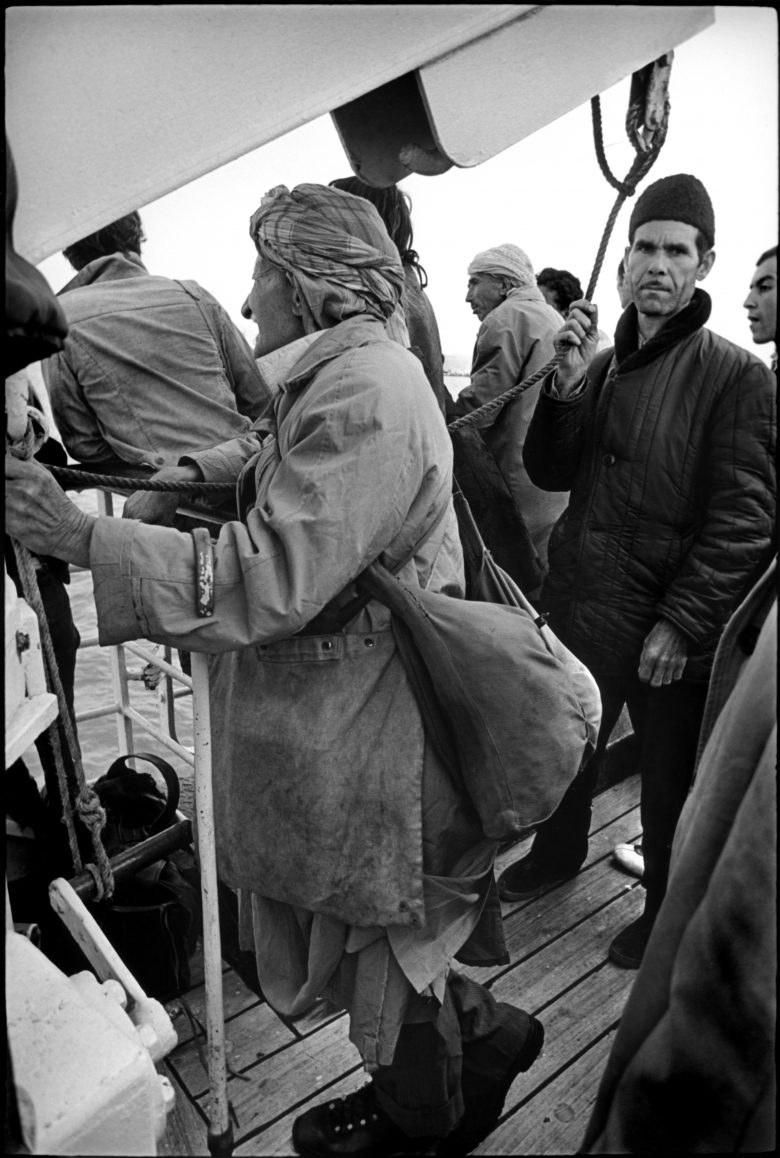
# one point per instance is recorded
(152, 368)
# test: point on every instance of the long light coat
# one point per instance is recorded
(514, 341)
(326, 794)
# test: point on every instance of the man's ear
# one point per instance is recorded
(705, 265)
(297, 305)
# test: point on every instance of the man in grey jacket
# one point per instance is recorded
(515, 339)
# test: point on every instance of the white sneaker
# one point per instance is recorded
(629, 857)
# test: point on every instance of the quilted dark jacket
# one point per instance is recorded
(669, 456)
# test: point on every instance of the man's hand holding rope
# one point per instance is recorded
(40, 515)
(157, 507)
(576, 344)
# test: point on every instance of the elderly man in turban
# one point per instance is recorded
(667, 446)
(361, 867)
(515, 339)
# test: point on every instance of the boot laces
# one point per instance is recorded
(356, 1111)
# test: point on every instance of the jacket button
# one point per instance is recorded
(368, 642)
(609, 460)
(327, 645)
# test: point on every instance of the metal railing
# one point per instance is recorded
(122, 675)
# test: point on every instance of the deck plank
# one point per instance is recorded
(236, 998)
(538, 981)
(572, 1022)
(286, 1079)
(529, 925)
(255, 1033)
(555, 1119)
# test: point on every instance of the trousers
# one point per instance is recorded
(666, 723)
(443, 1047)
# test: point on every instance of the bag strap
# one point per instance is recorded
(407, 621)
(330, 621)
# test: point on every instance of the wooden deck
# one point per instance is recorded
(558, 971)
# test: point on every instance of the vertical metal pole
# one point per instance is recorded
(220, 1139)
(117, 661)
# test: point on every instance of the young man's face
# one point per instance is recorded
(484, 293)
(663, 266)
(761, 302)
(270, 305)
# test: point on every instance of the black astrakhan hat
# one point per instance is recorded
(678, 198)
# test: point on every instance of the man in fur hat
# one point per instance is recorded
(666, 443)
(515, 339)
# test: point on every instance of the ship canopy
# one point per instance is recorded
(110, 107)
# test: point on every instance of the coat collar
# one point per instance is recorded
(630, 355)
(114, 267)
(525, 293)
(347, 335)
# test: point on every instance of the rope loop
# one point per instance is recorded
(23, 447)
(100, 891)
(93, 815)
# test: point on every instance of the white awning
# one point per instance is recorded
(110, 107)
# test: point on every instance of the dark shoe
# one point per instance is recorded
(355, 1127)
(484, 1100)
(628, 948)
(529, 878)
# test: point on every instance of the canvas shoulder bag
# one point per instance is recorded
(510, 710)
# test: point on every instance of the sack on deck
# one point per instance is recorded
(510, 710)
(154, 918)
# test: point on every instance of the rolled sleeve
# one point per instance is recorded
(224, 463)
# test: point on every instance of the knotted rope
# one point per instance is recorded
(88, 806)
(646, 126)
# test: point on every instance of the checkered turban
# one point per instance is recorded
(335, 250)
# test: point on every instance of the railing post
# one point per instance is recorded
(220, 1138)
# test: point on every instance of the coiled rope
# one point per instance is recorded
(647, 122)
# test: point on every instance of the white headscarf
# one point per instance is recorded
(505, 261)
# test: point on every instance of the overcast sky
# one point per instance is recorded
(545, 194)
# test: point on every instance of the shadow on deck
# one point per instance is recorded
(558, 971)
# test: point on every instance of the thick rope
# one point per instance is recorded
(640, 167)
(82, 478)
(88, 806)
(31, 594)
